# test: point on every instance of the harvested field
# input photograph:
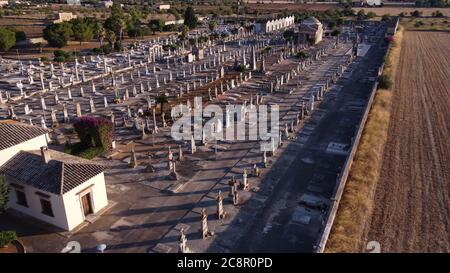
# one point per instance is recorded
(396, 10)
(411, 203)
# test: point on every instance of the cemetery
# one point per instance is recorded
(202, 193)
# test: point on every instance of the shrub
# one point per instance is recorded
(62, 56)
(91, 152)
(4, 194)
(240, 68)
(20, 35)
(94, 132)
(7, 39)
(384, 82)
(302, 55)
(6, 237)
(57, 35)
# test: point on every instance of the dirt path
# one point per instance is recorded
(411, 206)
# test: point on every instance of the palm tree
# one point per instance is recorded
(111, 37)
(100, 32)
(161, 99)
(122, 26)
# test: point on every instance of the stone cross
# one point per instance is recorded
(219, 201)
(244, 184)
(183, 248)
(204, 224)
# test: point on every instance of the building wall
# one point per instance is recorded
(72, 199)
(67, 209)
(32, 144)
(319, 35)
(163, 7)
(34, 205)
(274, 25)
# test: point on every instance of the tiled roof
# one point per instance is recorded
(61, 174)
(15, 133)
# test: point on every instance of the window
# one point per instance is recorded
(21, 198)
(46, 206)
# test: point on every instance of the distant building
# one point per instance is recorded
(3, 3)
(274, 25)
(74, 2)
(64, 17)
(105, 4)
(161, 6)
(310, 30)
(174, 22)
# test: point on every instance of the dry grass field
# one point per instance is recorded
(357, 201)
(411, 205)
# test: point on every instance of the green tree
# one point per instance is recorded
(58, 35)
(111, 37)
(190, 19)
(184, 33)
(156, 25)
(335, 32)
(161, 99)
(212, 25)
(416, 13)
(386, 17)
(371, 15)
(4, 194)
(100, 33)
(361, 15)
(7, 39)
(116, 21)
(83, 30)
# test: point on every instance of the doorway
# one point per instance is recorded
(87, 204)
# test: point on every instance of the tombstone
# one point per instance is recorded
(155, 129)
(105, 102)
(65, 114)
(81, 91)
(56, 99)
(133, 161)
(27, 109)
(91, 105)
(78, 109)
(183, 248)
(169, 160)
(43, 123)
(180, 153)
(69, 94)
(204, 224)
(233, 186)
(164, 123)
(193, 147)
(11, 114)
(219, 202)
(256, 171)
(55, 123)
